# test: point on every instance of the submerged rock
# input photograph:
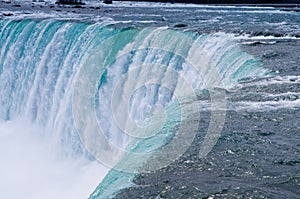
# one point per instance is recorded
(107, 1)
(180, 25)
(7, 14)
(70, 2)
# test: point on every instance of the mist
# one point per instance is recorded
(33, 167)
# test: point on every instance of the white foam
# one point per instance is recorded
(260, 42)
(266, 105)
(288, 79)
(281, 94)
(263, 38)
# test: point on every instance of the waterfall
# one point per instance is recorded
(71, 77)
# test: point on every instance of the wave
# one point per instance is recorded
(265, 36)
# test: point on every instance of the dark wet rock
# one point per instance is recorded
(7, 14)
(180, 25)
(107, 1)
(77, 6)
(70, 2)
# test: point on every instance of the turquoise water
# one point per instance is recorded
(140, 80)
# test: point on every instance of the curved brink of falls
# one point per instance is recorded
(40, 60)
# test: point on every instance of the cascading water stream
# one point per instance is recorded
(41, 62)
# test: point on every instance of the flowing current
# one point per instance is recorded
(44, 62)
